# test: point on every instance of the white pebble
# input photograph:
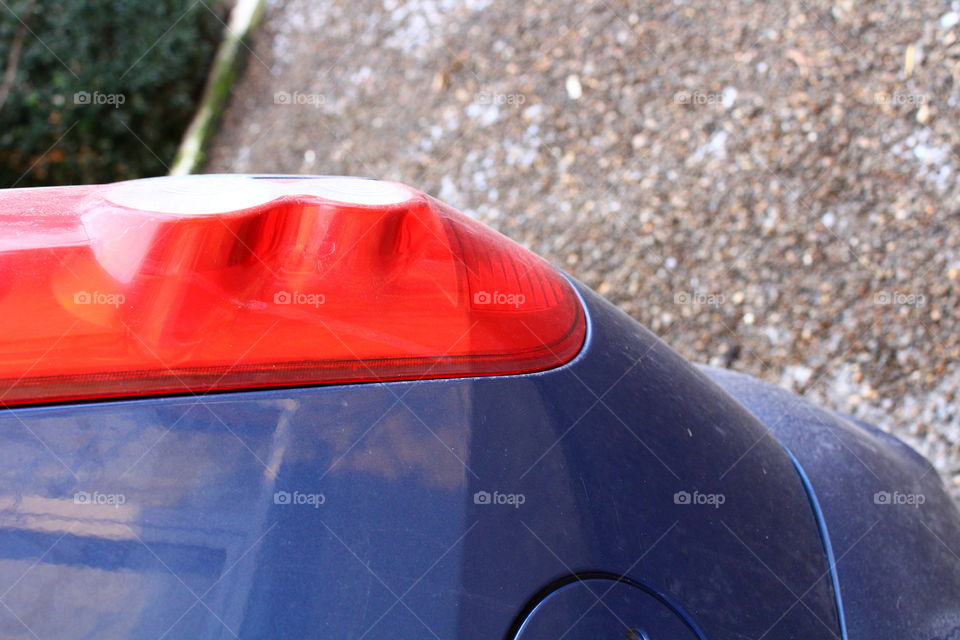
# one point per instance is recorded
(574, 89)
(533, 112)
(729, 96)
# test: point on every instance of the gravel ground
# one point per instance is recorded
(770, 187)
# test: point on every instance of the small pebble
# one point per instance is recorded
(574, 90)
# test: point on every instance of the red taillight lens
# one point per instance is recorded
(226, 282)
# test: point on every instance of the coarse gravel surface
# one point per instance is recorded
(770, 187)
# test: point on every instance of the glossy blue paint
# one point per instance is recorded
(588, 608)
(426, 509)
(894, 532)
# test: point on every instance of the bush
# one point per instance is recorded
(102, 90)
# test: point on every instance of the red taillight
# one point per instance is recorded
(226, 282)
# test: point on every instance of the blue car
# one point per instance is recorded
(323, 407)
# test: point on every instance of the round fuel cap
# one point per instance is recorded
(604, 609)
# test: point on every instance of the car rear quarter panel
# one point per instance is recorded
(894, 533)
(356, 511)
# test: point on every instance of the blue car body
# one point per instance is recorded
(626, 494)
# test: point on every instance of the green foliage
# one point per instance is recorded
(104, 89)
